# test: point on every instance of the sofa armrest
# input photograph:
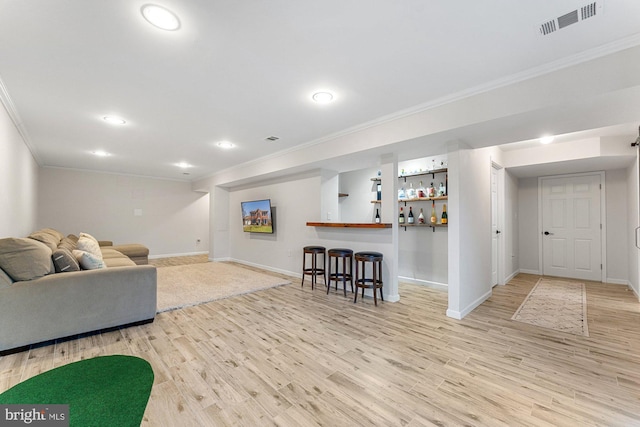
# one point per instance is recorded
(105, 243)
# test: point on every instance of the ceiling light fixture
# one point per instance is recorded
(546, 140)
(114, 120)
(160, 17)
(100, 153)
(225, 144)
(184, 165)
(322, 97)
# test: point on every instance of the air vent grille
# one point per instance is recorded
(272, 138)
(568, 19)
(587, 11)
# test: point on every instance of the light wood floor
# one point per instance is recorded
(290, 356)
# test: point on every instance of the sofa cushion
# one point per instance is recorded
(69, 244)
(48, 238)
(90, 245)
(24, 258)
(121, 261)
(5, 280)
(64, 261)
(88, 261)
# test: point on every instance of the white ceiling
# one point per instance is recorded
(242, 71)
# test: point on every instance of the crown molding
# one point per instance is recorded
(12, 111)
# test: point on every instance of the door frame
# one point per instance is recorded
(603, 219)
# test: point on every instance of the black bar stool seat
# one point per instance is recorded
(375, 281)
(315, 270)
(346, 274)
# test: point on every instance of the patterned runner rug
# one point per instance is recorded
(556, 304)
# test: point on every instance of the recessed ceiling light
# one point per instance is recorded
(114, 120)
(322, 97)
(546, 140)
(160, 17)
(100, 153)
(225, 144)
(184, 165)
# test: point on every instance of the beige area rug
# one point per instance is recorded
(556, 304)
(187, 285)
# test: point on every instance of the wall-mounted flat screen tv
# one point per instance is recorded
(256, 216)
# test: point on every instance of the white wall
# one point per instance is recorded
(633, 221)
(469, 230)
(294, 202)
(18, 182)
(512, 229)
(528, 225)
(173, 216)
(617, 225)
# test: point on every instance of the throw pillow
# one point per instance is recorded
(45, 237)
(64, 261)
(68, 244)
(88, 261)
(89, 236)
(89, 245)
(24, 258)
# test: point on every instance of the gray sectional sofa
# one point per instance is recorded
(52, 286)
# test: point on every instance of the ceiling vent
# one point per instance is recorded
(272, 138)
(587, 11)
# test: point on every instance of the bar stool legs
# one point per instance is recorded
(375, 282)
(347, 274)
(315, 269)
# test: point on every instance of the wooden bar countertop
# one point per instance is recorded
(349, 224)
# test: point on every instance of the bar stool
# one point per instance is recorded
(346, 274)
(375, 282)
(315, 270)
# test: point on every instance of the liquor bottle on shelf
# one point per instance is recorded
(401, 217)
(442, 190)
(421, 217)
(411, 192)
(431, 190)
(377, 216)
(422, 193)
(445, 218)
(411, 219)
(379, 194)
(434, 217)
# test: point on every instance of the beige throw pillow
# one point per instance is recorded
(24, 258)
(89, 245)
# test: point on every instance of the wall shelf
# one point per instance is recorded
(349, 224)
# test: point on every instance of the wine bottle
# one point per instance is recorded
(421, 217)
(445, 218)
(377, 216)
(379, 194)
(434, 217)
(401, 217)
(411, 219)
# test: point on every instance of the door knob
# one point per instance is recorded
(546, 233)
(498, 232)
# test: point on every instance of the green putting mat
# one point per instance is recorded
(103, 391)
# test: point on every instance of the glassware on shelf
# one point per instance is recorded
(442, 190)
(411, 192)
(422, 193)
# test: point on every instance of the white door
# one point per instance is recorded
(495, 232)
(571, 227)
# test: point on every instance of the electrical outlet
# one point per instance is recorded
(328, 216)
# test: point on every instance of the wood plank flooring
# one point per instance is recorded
(290, 356)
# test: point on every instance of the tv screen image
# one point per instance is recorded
(256, 216)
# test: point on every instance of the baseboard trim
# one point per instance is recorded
(458, 315)
(429, 284)
(525, 271)
(264, 267)
(511, 276)
(617, 281)
(175, 255)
